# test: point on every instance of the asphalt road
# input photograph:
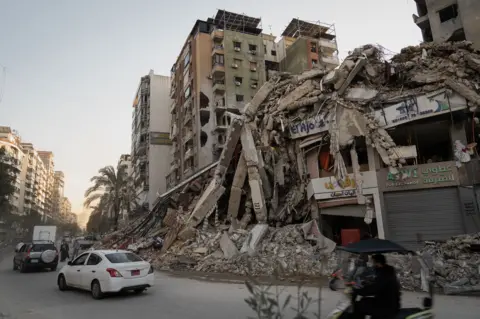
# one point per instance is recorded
(35, 295)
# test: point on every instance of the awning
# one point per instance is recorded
(312, 139)
(347, 210)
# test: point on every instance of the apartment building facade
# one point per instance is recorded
(48, 161)
(448, 20)
(306, 44)
(65, 209)
(58, 193)
(34, 181)
(223, 63)
(10, 140)
(151, 137)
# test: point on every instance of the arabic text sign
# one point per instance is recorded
(422, 176)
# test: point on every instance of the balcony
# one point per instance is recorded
(219, 87)
(187, 119)
(333, 60)
(173, 107)
(187, 172)
(218, 49)
(330, 46)
(217, 35)
(221, 127)
(421, 22)
(173, 167)
(218, 69)
(187, 137)
(189, 153)
(188, 103)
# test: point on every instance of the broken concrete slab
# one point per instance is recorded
(295, 95)
(360, 94)
(463, 90)
(254, 238)
(228, 247)
(358, 67)
(251, 108)
(249, 148)
(208, 200)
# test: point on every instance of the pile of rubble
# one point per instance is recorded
(259, 150)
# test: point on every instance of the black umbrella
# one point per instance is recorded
(374, 246)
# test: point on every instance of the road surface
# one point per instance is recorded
(35, 295)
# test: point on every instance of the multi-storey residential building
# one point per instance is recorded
(125, 160)
(306, 44)
(220, 68)
(150, 137)
(65, 209)
(47, 159)
(34, 177)
(10, 140)
(448, 20)
(58, 193)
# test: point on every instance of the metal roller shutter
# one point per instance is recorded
(416, 216)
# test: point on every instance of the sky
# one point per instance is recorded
(73, 67)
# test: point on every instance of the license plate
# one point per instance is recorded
(34, 261)
(135, 272)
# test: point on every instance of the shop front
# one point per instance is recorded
(341, 210)
(422, 203)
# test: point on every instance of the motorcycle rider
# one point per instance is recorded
(381, 299)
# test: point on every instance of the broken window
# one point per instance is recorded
(448, 13)
(237, 45)
(239, 98)
(252, 47)
(273, 52)
(238, 79)
(313, 47)
(218, 59)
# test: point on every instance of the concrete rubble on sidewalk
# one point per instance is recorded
(248, 210)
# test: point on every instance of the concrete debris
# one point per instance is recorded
(262, 146)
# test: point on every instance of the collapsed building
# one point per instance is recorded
(384, 148)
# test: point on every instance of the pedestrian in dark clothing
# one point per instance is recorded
(64, 251)
(381, 299)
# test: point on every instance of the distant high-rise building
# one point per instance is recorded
(58, 193)
(449, 20)
(10, 140)
(151, 137)
(47, 159)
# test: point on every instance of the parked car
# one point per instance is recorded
(107, 271)
(39, 254)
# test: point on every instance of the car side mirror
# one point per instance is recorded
(69, 263)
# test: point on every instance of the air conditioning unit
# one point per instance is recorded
(253, 52)
(210, 77)
(237, 49)
(237, 83)
(235, 66)
(253, 69)
(254, 86)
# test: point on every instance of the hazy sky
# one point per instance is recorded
(73, 66)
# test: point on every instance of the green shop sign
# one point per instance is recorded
(424, 175)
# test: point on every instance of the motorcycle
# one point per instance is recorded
(344, 308)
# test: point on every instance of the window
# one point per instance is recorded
(237, 45)
(448, 13)
(186, 61)
(218, 59)
(239, 98)
(238, 79)
(80, 260)
(314, 62)
(313, 47)
(120, 258)
(273, 52)
(265, 48)
(253, 65)
(187, 92)
(252, 47)
(42, 247)
(93, 260)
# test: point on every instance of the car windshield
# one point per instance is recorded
(118, 258)
(42, 247)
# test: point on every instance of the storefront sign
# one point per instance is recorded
(422, 176)
(420, 107)
(348, 193)
(328, 188)
(308, 127)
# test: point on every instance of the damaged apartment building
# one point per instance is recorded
(223, 63)
(150, 137)
(448, 20)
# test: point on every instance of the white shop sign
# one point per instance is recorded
(411, 109)
(330, 188)
(420, 107)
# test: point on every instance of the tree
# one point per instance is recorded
(8, 175)
(112, 192)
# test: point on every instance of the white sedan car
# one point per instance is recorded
(107, 271)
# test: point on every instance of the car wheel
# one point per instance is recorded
(15, 267)
(23, 267)
(139, 291)
(62, 283)
(96, 290)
